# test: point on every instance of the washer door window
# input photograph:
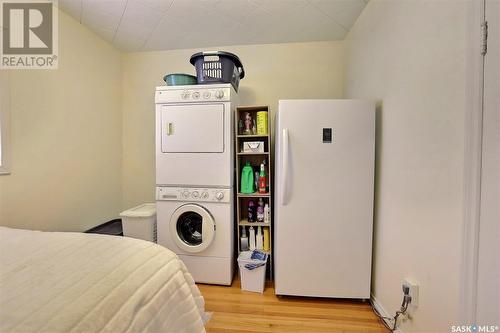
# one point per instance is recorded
(192, 227)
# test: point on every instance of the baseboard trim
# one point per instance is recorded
(378, 306)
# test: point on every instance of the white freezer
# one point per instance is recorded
(325, 152)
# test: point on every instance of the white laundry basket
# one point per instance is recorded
(255, 279)
(140, 222)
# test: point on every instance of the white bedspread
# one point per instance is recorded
(75, 282)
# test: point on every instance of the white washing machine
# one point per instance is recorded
(197, 224)
(195, 177)
(194, 135)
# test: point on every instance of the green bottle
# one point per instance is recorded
(247, 181)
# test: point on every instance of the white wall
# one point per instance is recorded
(273, 72)
(410, 55)
(66, 138)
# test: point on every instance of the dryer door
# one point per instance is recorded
(192, 128)
(192, 228)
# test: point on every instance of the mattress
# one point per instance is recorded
(75, 282)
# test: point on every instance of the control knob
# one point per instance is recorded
(219, 195)
(195, 194)
(219, 94)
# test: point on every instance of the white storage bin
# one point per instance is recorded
(255, 279)
(140, 222)
(253, 147)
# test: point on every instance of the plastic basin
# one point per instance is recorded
(179, 79)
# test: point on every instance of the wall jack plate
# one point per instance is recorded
(413, 291)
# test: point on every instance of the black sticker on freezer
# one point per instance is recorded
(327, 135)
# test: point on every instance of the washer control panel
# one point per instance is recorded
(191, 194)
(203, 93)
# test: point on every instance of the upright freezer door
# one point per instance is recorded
(195, 128)
(324, 207)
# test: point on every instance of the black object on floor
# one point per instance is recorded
(113, 227)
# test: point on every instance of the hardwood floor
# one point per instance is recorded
(239, 311)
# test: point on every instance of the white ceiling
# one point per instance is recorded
(146, 25)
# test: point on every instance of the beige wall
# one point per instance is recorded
(410, 55)
(66, 138)
(488, 305)
(273, 72)
(4, 122)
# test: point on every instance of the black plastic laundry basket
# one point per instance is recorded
(218, 67)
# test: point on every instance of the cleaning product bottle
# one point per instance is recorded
(267, 245)
(247, 182)
(244, 240)
(256, 179)
(259, 239)
(248, 124)
(267, 213)
(262, 122)
(251, 211)
(262, 179)
(260, 211)
(240, 126)
(252, 238)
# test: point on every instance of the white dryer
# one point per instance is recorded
(197, 224)
(194, 131)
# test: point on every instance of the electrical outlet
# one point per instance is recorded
(413, 286)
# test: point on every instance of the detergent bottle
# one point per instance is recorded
(260, 210)
(244, 240)
(247, 181)
(267, 213)
(259, 239)
(251, 211)
(252, 238)
(267, 241)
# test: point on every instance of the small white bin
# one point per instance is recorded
(255, 279)
(140, 222)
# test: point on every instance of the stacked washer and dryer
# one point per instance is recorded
(195, 177)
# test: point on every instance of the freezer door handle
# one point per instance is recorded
(284, 163)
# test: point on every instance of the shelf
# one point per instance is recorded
(253, 108)
(253, 195)
(267, 252)
(245, 223)
(253, 136)
(247, 154)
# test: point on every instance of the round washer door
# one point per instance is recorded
(192, 228)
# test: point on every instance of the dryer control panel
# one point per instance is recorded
(193, 94)
(193, 194)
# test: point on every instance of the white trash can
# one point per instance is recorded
(252, 279)
(140, 222)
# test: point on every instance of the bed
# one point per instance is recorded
(75, 282)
